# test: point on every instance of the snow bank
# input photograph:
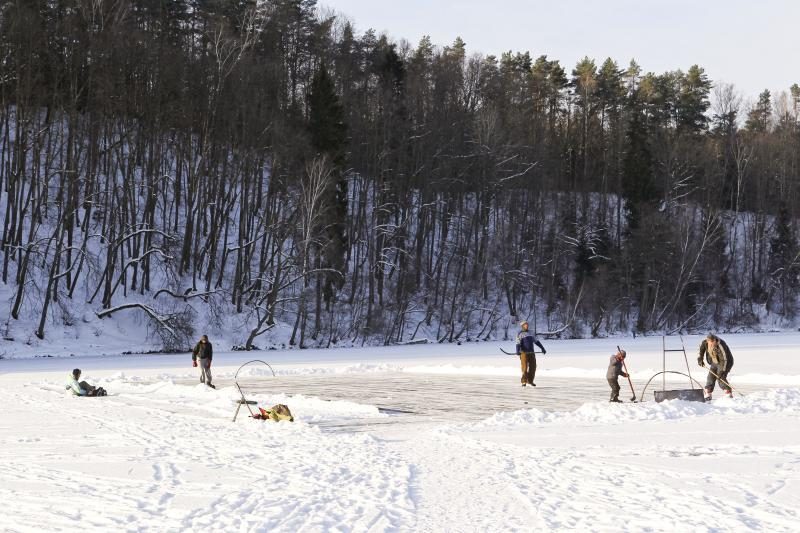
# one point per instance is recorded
(784, 401)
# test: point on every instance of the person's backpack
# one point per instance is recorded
(276, 412)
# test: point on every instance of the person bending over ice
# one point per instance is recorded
(720, 361)
(613, 374)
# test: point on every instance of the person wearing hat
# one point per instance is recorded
(526, 342)
(82, 388)
(201, 356)
(614, 372)
(720, 361)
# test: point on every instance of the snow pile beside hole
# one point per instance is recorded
(766, 379)
(223, 400)
(784, 401)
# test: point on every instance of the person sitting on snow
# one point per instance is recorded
(82, 388)
(613, 374)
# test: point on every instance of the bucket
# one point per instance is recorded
(689, 395)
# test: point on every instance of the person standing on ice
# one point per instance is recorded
(201, 356)
(715, 351)
(526, 342)
(614, 372)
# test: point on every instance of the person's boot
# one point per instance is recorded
(707, 395)
(729, 393)
(523, 383)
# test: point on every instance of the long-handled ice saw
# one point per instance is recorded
(633, 399)
(512, 353)
(723, 381)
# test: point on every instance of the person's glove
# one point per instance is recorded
(624, 375)
(194, 363)
(701, 362)
(544, 351)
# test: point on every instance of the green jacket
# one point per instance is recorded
(74, 386)
(203, 351)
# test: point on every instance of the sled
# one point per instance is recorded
(689, 395)
(692, 394)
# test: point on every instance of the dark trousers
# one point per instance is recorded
(711, 379)
(527, 361)
(614, 384)
(91, 390)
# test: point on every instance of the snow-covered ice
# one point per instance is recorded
(415, 438)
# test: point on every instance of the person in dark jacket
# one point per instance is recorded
(716, 353)
(614, 372)
(201, 356)
(526, 342)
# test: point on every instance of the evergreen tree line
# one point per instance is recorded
(261, 163)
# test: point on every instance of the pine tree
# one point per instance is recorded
(584, 81)
(794, 92)
(329, 137)
(638, 183)
(693, 100)
(326, 118)
(611, 96)
(632, 77)
(609, 86)
(758, 117)
(784, 262)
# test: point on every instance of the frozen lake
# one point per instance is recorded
(403, 439)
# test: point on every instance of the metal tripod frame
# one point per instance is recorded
(242, 400)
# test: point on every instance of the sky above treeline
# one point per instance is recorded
(753, 45)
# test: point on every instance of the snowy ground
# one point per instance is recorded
(422, 438)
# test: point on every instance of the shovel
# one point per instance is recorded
(633, 398)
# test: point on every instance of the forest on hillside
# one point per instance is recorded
(201, 161)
